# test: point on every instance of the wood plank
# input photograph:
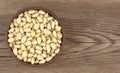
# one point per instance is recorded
(92, 36)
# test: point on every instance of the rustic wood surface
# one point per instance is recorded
(92, 29)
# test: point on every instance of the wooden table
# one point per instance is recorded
(92, 29)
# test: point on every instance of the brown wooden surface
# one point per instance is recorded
(92, 29)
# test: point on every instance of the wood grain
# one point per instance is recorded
(92, 30)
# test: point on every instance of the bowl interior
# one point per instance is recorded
(35, 8)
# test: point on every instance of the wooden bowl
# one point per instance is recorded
(34, 8)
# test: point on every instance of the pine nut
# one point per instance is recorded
(24, 54)
(53, 45)
(11, 40)
(15, 51)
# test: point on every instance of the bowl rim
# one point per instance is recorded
(51, 14)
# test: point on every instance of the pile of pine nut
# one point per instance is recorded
(35, 37)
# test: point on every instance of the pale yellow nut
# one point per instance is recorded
(20, 51)
(10, 35)
(23, 39)
(48, 48)
(32, 60)
(37, 61)
(32, 50)
(41, 26)
(22, 23)
(25, 59)
(36, 26)
(28, 47)
(30, 55)
(37, 35)
(35, 15)
(53, 45)
(18, 20)
(42, 44)
(23, 47)
(44, 52)
(28, 34)
(39, 19)
(57, 50)
(48, 38)
(44, 48)
(12, 25)
(18, 42)
(24, 54)
(47, 32)
(48, 41)
(28, 43)
(44, 20)
(19, 36)
(33, 21)
(31, 11)
(29, 59)
(55, 34)
(23, 19)
(46, 15)
(44, 55)
(58, 28)
(31, 25)
(54, 40)
(34, 42)
(27, 29)
(28, 18)
(38, 31)
(39, 57)
(15, 51)
(38, 51)
(21, 30)
(38, 47)
(48, 58)
(33, 33)
(48, 26)
(11, 30)
(10, 44)
(59, 41)
(20, 15)
(16, 46)
(49, 18)
(26, 26)
(43, 38)
(29, 38)
(11, 40)
(15, 20)
(19, 57)
(56, 22)
(42, 61)
(39, 40)
(26, 13)
(53, 54)
(59, 35)
(41, 12)
(52, 51)
(35, 55)
(17, 29)
(16, 39)
(53, 24)
(16, 24)
(58, 45)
